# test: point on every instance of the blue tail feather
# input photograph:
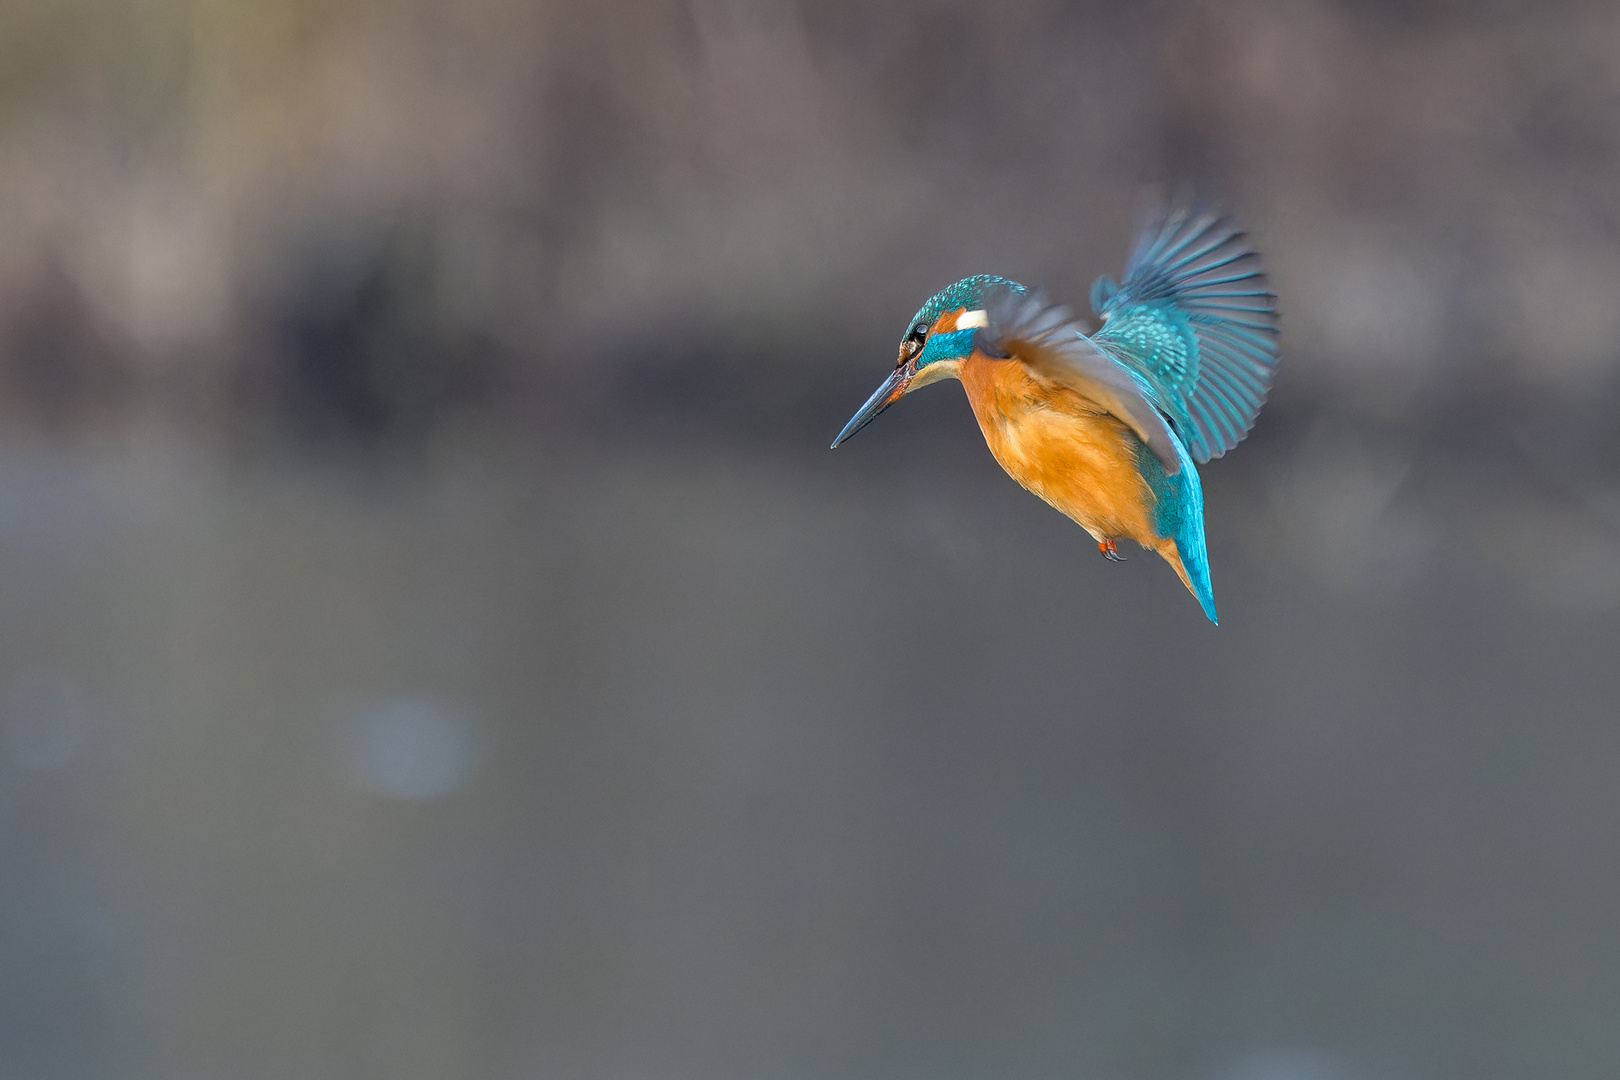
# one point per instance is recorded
(1179, 515)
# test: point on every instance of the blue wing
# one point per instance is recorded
(1047, 338)
(1195, 319)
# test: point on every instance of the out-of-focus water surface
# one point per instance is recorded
(437, 642)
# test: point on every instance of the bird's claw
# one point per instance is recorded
(1110, 552)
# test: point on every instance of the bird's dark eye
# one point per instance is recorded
(913, 343)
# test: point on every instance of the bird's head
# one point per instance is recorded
(940, 336)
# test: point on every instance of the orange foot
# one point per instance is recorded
(1110, 552)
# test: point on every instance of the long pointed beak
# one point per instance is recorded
(892, 390)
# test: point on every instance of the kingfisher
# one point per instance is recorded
(1109, 426)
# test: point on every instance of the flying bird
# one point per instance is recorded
(1108, 427)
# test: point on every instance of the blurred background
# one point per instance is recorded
(435, 640)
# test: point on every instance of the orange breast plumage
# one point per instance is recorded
(1070, 451)
(1063, 447)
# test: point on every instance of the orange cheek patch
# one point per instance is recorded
(960, 319)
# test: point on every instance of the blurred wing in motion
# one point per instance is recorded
(1196, 320)
(1047, 338)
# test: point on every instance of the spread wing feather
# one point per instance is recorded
(1194, 320)
(1047, 338)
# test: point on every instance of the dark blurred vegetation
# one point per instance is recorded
(437, 642)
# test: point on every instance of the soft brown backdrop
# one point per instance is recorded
(435, 641)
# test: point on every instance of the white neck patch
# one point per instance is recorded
(972, 320)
